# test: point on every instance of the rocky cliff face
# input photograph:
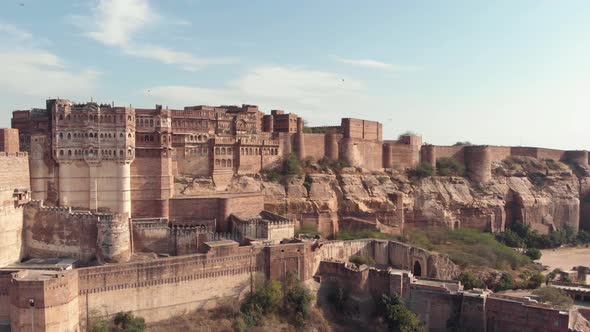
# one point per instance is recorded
(544, 194)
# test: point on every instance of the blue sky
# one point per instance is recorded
(491, 72)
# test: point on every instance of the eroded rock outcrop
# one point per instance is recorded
(543, 194)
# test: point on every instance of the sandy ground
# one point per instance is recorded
(565, 258)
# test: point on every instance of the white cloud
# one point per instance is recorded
(26, 70)
(325, 96)
(171, 57)
(118, 22)
(372, 64)
(14, 32)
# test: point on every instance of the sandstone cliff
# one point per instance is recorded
(544, 194)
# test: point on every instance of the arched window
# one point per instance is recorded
(121, 135)
(95, 135)
(129, 135)
(250, 151)
(61, 135)
(223, 163)
(61, 117)
(151, 138)
(146, 138)
(69, 136)
(141, 122)
(61, 152)
(68, 117)
(223, 151)
(217, 162)
(229, 163)
(129, 118)
(69, 152)
(129, 151)
(216, 151)
(151, 122)
(417, 269)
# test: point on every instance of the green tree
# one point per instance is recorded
(126, 321)
(535, 280)
(298, 303)
(510, 238)
(398, 316)
(447, 166)
(554, 296)
(470, 281)
(422, 170)
(506, 282)
(533, 253)
(360, 260)
(292, 165)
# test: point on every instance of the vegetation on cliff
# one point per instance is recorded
(519, 235)
(469, 248)
(389, 314)
(554, 296)
(447, 166)
(422, 170)
(290, 302)
(123, 321)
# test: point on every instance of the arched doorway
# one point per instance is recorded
(417, 269)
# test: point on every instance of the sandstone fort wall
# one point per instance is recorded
(56, 301)
(57, 232)
(164, 288)
(11, 229)
(217, 208)
(14, 175)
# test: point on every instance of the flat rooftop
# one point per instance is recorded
(49, 264)
(36, 275)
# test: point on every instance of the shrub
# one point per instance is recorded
(535, 280)
(265, 299)
(298, 303)
(583, 236)
(327, 164)
(470, 281)
(554, 296)
(307, 229)
(510, 238)
(337, 297)
(506, 282)
(361, 260)
(552, 164)
(97, 324)
(383, 179)
(291, 165)
(422, 170)
(126, 321)
(447, 166)
(397, 316)
(362, 234)
(533, 253)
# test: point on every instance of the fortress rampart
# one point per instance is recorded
(14, 193)
(478, 159)
(63, 232)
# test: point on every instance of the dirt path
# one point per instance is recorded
(565, 258)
